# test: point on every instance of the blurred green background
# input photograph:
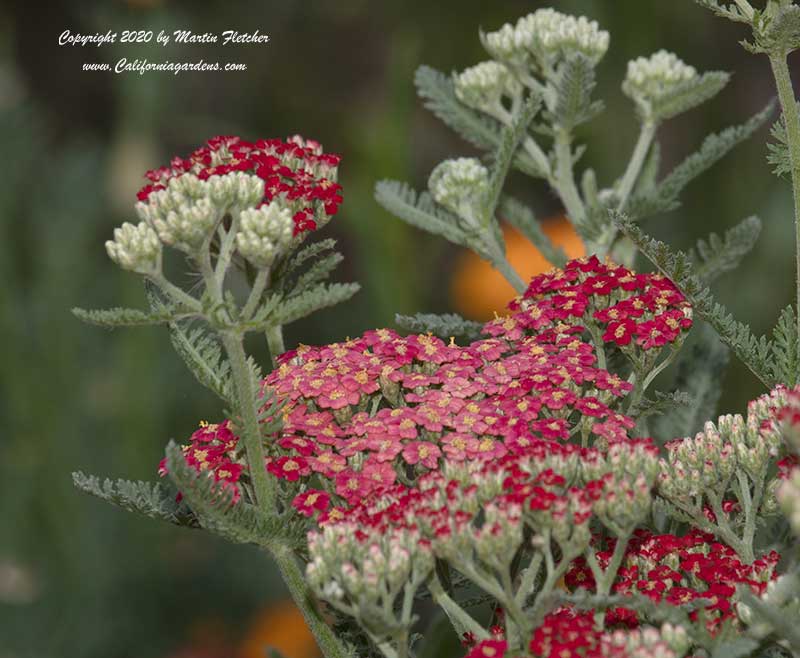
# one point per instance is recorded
(80, 579)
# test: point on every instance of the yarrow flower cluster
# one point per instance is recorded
(678, 570)
(568, 633)
(461, 186)
(639, 313)
(296, 170)
(541, 39)
(656, 77)
(722, 477)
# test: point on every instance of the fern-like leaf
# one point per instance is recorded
(148, 498)
(690, 94)
(752, 351)
(437, 91)
(128, 317)
(213, 504)
(660, 404)
(786, 349)
(504, 155)
(700, 368)
(444, 326)
(421, 211)
(713, 149)
(729, 11)
(304, 303)
(717, 255)
(202, 354)
(778, 151)
(522, 218)
(574, 83)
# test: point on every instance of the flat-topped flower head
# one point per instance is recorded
(136, 248)
(657, 76)
(461, 186)
(545, 38)
(485, 86)
(295, 170)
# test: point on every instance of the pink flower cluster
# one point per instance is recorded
(645, 310)
(296, 168)
(363, 413)
(678, 570)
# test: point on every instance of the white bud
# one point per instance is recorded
(188, 226)
(135, 248)
(483, 86)
(460, 186)
(265, 233)
(654, 78)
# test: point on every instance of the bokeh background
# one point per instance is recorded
(79, 579)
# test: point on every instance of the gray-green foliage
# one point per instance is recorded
(699, 372)
(212, 503)
(666, 195)
(760, 355)
(445, 326)
(151, 499)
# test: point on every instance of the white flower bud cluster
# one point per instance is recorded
(755, 441)
(647, 643)
(461, 186)
(694, 465)
(622, 460)
(498, 539)
(135, 248)
(264, 233)
(546, 37)
(187, 211)
(789, 498)
(657, 76)
(484, 86)
(624, 503)
(365, 574)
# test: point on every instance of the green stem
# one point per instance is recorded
(226, 247)
(275, 342)
(329, 644)
(251, 433)
(510, 274)
(177, 295)
(783, 80)
(529, 579)
(259, 285)
(646, 136)
(565, 180)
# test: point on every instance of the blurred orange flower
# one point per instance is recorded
(478, 290)
(282, 627)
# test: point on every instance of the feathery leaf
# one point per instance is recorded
(444, 326)
(148, 498)
(717, 255)
(752, 351)
(129, 317)
(202, 354)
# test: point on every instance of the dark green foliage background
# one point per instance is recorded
(73, 146)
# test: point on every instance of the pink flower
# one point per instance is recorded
(422, 452)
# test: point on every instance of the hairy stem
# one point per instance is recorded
(327, 641)
(646, 136)
(510, 274)
(275, 342)
(565, 179)
(783, 80)
(251, 433)
(176, 294)
(259, 285)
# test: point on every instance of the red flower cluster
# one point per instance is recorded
(213, 449)
(296, 168)
(678, 570)
(644, 309)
